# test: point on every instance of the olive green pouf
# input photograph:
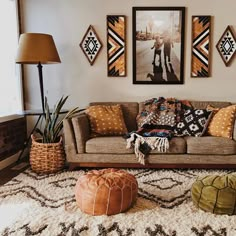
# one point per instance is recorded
(216, 194)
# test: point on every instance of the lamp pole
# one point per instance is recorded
(40, 70)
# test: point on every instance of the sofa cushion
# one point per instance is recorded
(106, 120)
(222, 122)
(130, 111)
(107, 145)
(118, 145)
(177, 146)
(210, 145)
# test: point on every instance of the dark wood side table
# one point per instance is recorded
(38, 113)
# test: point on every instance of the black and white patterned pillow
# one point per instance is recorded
(193, 123)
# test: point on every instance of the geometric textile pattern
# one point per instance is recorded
(91, 45)
(106, 192)
(200, 46)
(44, 205)
(215, 194)
(193, 123)
(227, 46)
(155, 119)
(116, 46)
(106, 120)
(222, 121)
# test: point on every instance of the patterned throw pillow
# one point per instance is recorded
(193, 123)
(106, 120)
(222, 122)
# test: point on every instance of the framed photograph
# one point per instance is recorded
(201, 46)
(116, 45)
(91, 44)
(226, 46)
(158, 45)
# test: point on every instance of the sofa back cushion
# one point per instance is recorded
(197, 104)
(204, 104)
(130, 111)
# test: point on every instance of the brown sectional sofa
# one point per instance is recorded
(184, 152)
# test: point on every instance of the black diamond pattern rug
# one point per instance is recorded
(34, 204)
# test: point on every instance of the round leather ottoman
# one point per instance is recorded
(107, 191)
(216, 194)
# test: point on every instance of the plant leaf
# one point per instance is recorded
(52, 123)
(37, 130)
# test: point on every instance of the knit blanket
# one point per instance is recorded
(156, 123)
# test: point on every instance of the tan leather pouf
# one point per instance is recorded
(107, 191)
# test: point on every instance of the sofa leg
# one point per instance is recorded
(72, 166)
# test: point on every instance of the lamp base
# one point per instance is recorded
(40, 70)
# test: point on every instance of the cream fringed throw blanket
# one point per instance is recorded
(156, 125)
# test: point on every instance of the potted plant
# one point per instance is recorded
(47, 152)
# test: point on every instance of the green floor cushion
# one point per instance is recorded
(216, 194)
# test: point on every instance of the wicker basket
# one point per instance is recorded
(46, 158)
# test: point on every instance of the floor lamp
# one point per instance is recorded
(36, 48)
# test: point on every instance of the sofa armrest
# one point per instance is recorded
(76, 133)
(81, 130)
(69, 140)
(234, 131)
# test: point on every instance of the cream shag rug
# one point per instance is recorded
(32, 204)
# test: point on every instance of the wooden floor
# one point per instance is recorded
(11, 171)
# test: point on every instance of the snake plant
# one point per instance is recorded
(53, 121)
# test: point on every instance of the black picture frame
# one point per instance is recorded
(158, 45)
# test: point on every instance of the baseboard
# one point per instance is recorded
(8, 161)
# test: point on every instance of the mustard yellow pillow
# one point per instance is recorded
(106, 120)
(222, 122)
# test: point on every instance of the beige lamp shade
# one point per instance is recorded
(37, 48)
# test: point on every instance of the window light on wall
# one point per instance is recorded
(10, 83)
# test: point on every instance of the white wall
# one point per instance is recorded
(67, 21)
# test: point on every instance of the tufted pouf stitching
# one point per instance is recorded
(107, 180)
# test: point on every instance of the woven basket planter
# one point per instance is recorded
(46, 158)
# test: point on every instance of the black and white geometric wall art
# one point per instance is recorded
(227, 46)
(91, 44)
